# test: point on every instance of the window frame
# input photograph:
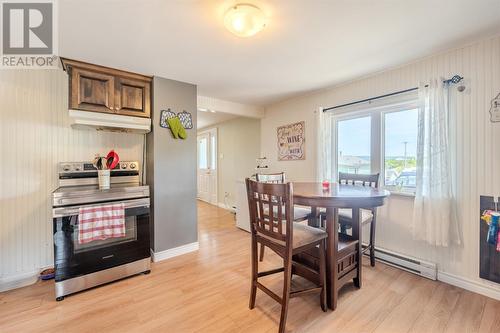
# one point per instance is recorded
(377, 135)
(383, 113)
(335, 123)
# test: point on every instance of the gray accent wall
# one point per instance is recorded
(171, 169)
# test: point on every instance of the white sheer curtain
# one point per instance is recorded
(434, 217)
(323, 145)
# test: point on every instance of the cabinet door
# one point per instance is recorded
(92, 91)
(133, 97)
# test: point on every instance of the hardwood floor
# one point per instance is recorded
(207, 291)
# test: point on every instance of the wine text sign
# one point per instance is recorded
(291, 142)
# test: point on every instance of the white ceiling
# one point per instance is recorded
(205, 119)
(308, 44)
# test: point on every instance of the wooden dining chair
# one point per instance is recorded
(276, 230)
(271, 178)
(367, 215)
(299, 213)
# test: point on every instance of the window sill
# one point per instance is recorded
(401, 194)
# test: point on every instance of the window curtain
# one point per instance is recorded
(323, 145)
(434, 217)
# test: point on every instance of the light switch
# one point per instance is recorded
(221, 156)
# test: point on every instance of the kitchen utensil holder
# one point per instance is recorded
(104, 179)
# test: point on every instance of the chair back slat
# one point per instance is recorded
(271, 210)
(273, 178)
(359, 180)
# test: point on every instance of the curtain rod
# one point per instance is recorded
(455, 79)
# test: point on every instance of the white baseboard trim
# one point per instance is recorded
(470, 285)
(176, 251)
(223, 206)
(428, 270)
(18, 280)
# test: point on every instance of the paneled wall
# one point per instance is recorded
(475, 147)
(34, 136)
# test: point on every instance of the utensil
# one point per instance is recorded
(98, 162)
(112, 160)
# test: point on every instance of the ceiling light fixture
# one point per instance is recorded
(244, 20)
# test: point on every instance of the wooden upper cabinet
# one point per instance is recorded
(102, 89)
(91, 91)
(132, 97)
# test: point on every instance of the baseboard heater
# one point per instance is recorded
(406, 263)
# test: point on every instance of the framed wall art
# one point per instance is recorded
(291, 142)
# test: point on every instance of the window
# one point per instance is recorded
(203, 153)
(213, 152)
(382, 138)
(400, 149)
(354, 150)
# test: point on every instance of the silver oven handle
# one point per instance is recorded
(73, 210)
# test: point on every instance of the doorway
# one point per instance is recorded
(207, 166)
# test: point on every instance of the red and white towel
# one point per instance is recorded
(101, 222)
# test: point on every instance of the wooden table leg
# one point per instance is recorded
(331, 257)
(313, 218)
(357, 233)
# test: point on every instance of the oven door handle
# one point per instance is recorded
(73, 210)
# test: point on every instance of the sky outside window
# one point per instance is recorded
(354, 145)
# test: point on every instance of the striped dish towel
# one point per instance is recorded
(101, 222)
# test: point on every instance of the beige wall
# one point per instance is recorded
(35, 135)
(238, 147)
(475, 147)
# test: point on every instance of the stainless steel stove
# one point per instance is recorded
(83, 266)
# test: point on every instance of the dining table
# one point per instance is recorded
(343, 252)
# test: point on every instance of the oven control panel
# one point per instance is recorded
(77, 167)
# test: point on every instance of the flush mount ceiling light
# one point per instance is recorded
(244, 20)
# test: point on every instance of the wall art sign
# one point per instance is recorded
(291, 142)
(495, 109)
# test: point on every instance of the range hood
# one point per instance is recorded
(108, 122)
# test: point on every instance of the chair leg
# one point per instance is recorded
(255, 269)
(372, 241)
(287, 263)
(322, 275)
(261, 252)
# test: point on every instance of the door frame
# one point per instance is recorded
(212, 133)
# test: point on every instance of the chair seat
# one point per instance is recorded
(302, 235)
(366, 215)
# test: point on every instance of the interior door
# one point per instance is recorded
(207, 166)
